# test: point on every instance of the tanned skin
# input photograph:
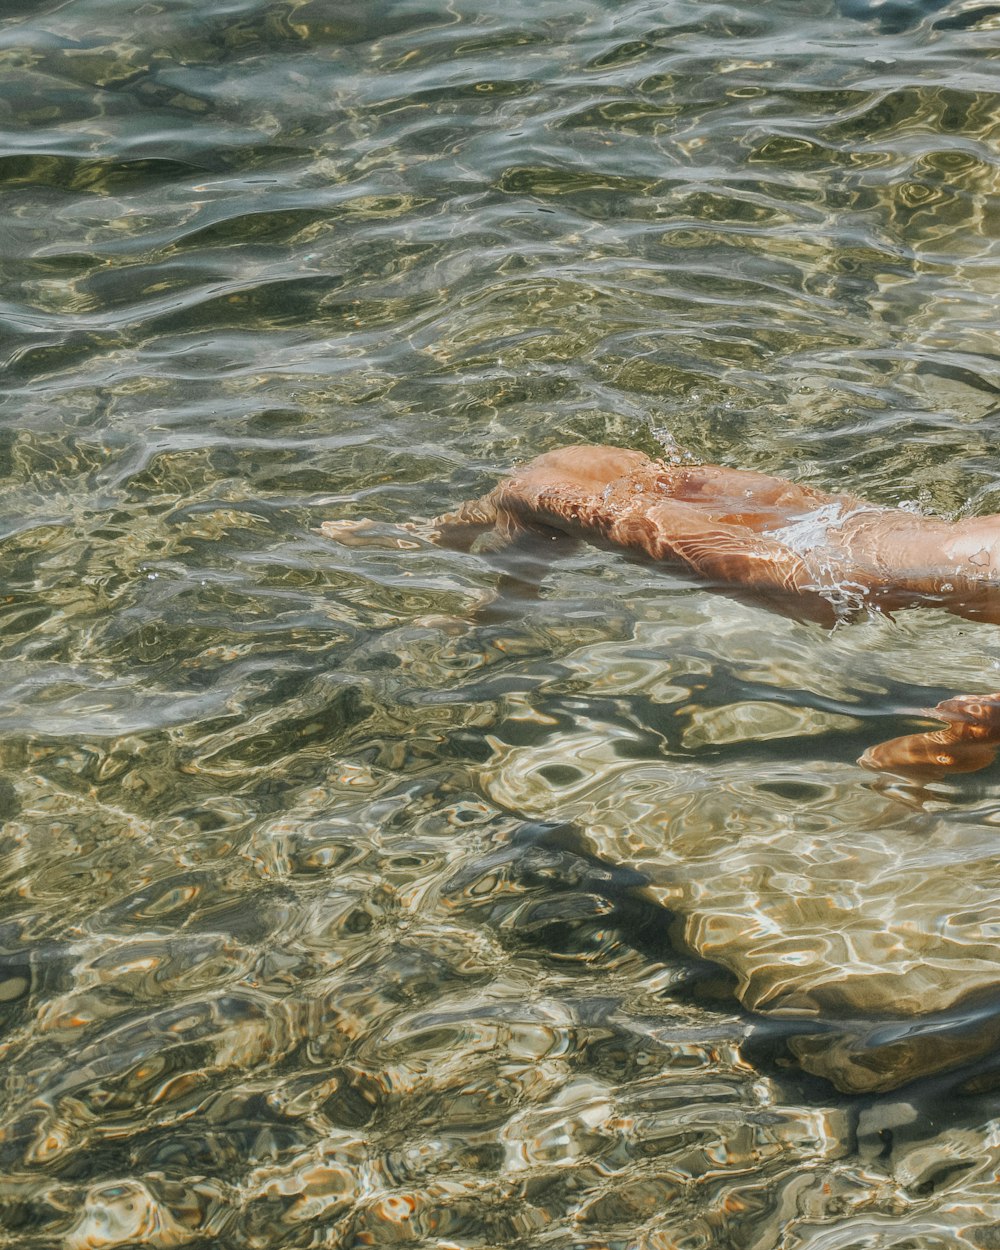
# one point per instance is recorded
(811, 554)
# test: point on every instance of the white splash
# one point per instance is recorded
(811, 529)
(809, 536)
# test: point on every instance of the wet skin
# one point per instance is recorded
(724, 524)
(811, 554)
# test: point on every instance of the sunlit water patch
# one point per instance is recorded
(361, 895)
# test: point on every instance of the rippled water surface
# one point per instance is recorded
(365, 895)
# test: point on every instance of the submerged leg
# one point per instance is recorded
(751, 498)
(729, 556)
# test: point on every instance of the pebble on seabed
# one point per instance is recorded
(123, 1213)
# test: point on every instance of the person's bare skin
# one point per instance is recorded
(968, 742)
(811, 554)
(732, 527)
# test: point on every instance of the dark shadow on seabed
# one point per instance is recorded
(577, 892)
(927, 1061)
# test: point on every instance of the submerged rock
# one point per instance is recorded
(865, 928)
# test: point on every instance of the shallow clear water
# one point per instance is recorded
(357, 896)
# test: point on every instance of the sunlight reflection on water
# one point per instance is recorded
(363, 896)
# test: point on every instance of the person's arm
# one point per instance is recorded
(968, 742)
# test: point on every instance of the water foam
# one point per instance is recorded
(809, 536)
(811, 530)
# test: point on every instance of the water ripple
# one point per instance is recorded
(361, 896)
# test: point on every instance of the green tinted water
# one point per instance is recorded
(292, 954)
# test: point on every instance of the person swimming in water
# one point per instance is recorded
(824, 556)
(812, 554)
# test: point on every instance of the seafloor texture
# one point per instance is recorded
(367, 895)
